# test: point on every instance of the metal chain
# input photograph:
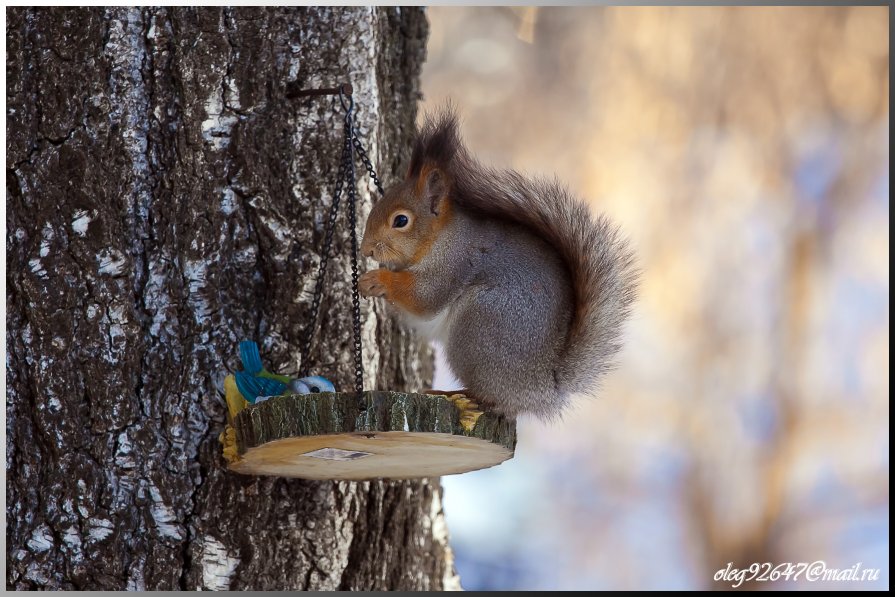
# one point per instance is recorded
(304, 370)
(347, 174)
(367, 163)
(352, 222)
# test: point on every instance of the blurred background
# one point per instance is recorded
(744, 151)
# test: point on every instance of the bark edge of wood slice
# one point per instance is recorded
(392, 435)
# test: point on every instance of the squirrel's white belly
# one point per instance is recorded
(435, 328)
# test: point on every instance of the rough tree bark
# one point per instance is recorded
(166, 200)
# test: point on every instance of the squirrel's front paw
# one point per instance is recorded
(370, 284)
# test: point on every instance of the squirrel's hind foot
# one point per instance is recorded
(470, 408)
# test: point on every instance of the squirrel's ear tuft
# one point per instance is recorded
(433, 186)
(438, 142)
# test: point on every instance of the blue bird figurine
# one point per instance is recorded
(256, 384)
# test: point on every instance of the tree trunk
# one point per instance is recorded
(165, 201)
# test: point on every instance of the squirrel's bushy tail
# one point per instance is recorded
(599, 261)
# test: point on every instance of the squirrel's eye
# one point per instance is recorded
(400, 221)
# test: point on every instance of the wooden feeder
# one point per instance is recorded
(386, 434)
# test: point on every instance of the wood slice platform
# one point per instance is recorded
(383, 435)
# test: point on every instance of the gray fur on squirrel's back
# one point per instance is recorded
(585, 258)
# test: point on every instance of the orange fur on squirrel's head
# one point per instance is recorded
(403, 224)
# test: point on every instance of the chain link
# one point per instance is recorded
(367, 163)
(347, 174)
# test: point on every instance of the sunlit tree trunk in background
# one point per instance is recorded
(165, 201)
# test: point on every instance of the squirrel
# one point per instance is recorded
(525, 290)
